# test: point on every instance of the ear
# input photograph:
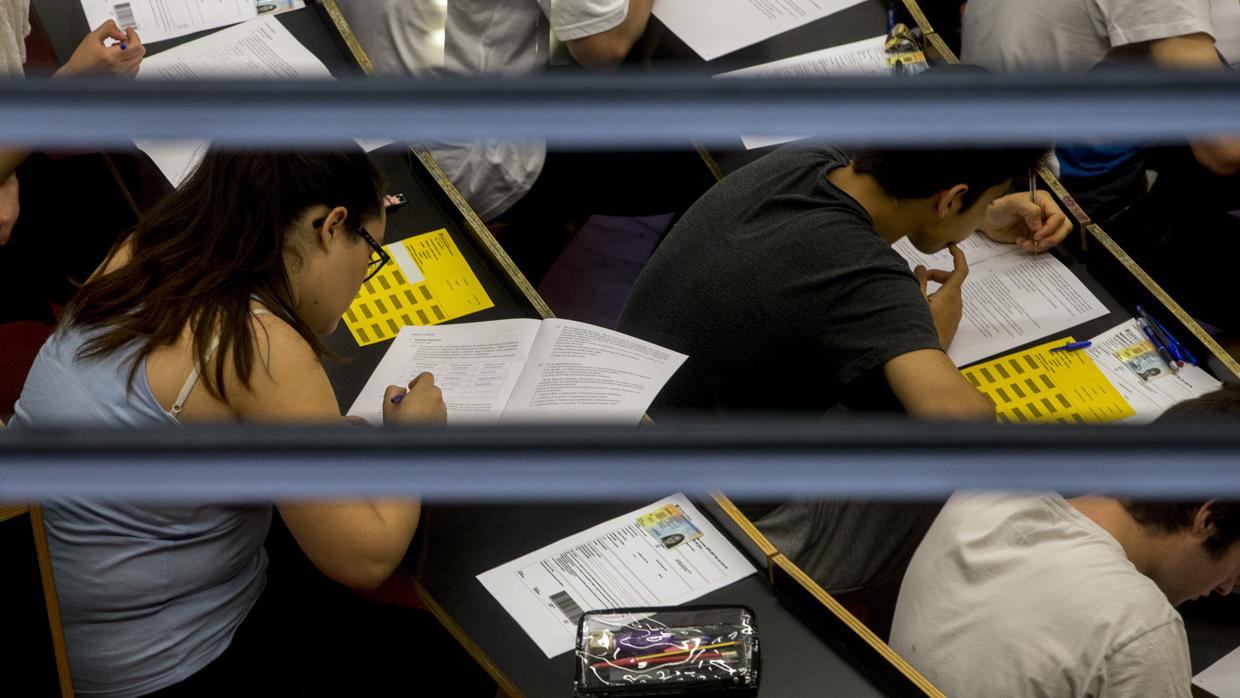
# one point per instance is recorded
(333, 226)
(950, 201)
(1203, 521)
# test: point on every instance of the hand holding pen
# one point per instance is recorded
(420, 403)
(94, 56)
(1032, 221)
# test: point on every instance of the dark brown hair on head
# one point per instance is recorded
(204, 252)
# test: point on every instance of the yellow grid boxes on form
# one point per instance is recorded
(427, 282)
(1035, 385)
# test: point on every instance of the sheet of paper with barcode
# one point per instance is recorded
(665, 554)
(157, 20)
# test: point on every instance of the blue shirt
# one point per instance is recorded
(149, 593)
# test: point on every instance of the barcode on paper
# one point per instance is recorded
(124, 15)
(567, 606)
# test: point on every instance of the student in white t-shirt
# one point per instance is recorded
(1020, 595)
(533, 198)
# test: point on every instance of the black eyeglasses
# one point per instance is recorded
(379, 255)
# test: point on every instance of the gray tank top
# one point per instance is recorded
(149, 593)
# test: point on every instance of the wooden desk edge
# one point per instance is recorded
(12, 511)
(1090, 228)
(768, 549)
(473, 223)
(506, 684)
(867, 635)
(479, 230)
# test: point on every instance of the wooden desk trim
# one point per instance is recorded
(472, 223)
(346, 33)
(12, 511)
(479, 230)
(51, 601)
(742, 521)
(1168, 302)
(1092, 229)
(875, 642)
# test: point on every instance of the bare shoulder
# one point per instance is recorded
(287, 381)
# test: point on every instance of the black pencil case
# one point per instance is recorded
(667, 651)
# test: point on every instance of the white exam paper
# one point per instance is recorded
(157, 20)
(1222, 678)
(717, 27)
(1010, 297)
(865, 57)
(262, 49)
(524, 370)
(1152, 397)
(615, 564)
(475, 365)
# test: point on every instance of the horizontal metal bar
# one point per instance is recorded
(885, 459)
(627, 110)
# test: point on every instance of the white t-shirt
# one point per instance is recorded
(1007, 35)
(14, 27)
(509, 36)
(1020, 595)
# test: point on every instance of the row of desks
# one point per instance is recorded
(810, 642)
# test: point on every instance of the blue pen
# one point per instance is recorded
(1158, 343)
(1073, 346)
(123, 47)
(1167, 340)
(396, 400)
(1181, 352)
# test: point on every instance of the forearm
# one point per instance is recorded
(10, 160)
(358, 544)
(609, 48)
(1196, 52)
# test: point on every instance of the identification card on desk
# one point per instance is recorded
(665, 554)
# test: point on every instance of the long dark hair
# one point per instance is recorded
(201, 254)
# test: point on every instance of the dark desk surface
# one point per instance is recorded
(457, 543)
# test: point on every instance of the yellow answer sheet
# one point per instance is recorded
(427, 282)
(1036, 385)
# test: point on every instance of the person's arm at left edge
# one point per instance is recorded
(608, 48)
(92, 56)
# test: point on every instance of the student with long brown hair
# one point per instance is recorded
(210, 310)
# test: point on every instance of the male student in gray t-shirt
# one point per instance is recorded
(781, 286)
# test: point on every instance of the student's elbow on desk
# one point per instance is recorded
(929, 386)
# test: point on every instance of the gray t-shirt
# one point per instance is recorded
(1022, 596)
(1008, 35)
(780, 291)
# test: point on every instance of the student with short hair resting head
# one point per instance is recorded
(210, 311)
(1033, 595)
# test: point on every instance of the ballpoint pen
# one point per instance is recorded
(1073, 346)
(1173, 347)
(1158, 344)
(1033, 198)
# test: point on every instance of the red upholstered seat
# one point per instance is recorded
(19, 343)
